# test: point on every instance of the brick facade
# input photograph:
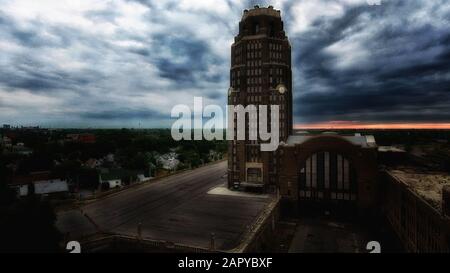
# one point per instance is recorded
(362, 163)
(260, 66)
(420, 227)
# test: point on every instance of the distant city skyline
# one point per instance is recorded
(114, 64)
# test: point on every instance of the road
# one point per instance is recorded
(177, 208)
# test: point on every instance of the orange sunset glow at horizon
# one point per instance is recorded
(363, 125)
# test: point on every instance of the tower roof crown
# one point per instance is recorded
(257, 11)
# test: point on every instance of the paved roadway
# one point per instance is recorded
(177, 208)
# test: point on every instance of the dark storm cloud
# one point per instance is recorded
(30, 69)
(30, 36)
(195, 59)
(404, 76)
(36, 76)
(351, 61)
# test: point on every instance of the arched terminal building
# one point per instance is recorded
(324, 169)
(328, 170)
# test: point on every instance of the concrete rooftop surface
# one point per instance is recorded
(427, 185)
(184, 208)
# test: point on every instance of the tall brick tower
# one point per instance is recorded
(260, 74)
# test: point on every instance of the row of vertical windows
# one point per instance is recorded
(277, 47)
(235, 83)
(282, 117)
(235, 162)
(275, 81)
(235, 78)
(254, 72)
(253, 98)
(276, 71)
(254, 63)
(254, 55)
(253, 89)
(238, 54)
(276, 97)
(236, 73)
(256, 80)
(276, 55)
(254, 45)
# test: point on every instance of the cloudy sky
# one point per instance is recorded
(125, 63)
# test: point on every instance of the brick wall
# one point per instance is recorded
(418, 225)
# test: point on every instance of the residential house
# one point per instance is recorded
(51, 187)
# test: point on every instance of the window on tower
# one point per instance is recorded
(256, 28)
(272, 29)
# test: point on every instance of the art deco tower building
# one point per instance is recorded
(260, 74)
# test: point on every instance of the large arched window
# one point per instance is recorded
(327, 176)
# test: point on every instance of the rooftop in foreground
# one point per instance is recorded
(426, 184)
